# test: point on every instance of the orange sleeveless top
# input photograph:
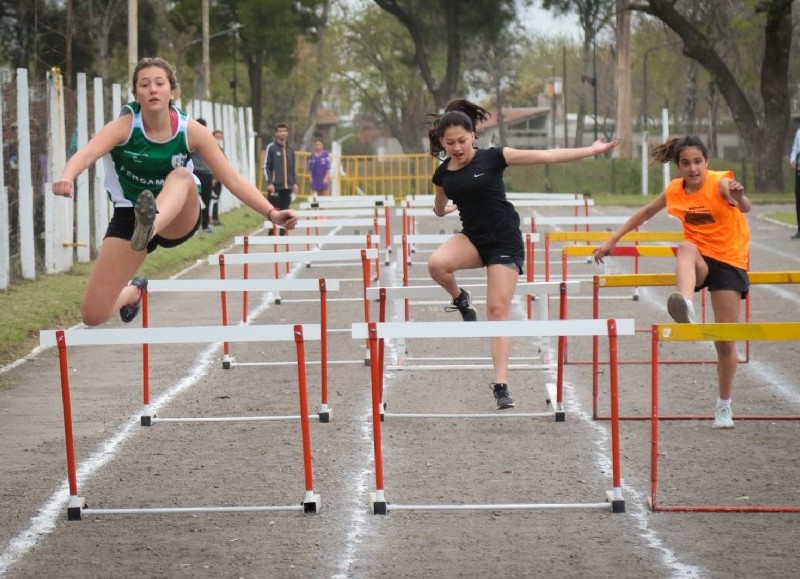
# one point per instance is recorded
(717, 230)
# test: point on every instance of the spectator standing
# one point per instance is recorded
(794, 161)
(206, 177)
(279, 168)
(319, 166)
(216, 189)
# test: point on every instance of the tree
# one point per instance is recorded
(762, 118)
(445, 26)
(379, 70)
(593, 15)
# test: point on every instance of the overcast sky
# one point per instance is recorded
(543, 22)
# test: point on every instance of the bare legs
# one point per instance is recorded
(458, 253)
(691, 271)
(117, 263)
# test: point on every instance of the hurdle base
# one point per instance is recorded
(74, 508)
(313, 505)
(325, 415)
(277, 301)
(378, 507)
(146, 420)
(617, 505)
(227, 362)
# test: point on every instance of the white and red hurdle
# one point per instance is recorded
(298, 333)
(375, 332)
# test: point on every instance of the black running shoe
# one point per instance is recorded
(463, 304)
(502, 396)
(145, 210)
(130, 311)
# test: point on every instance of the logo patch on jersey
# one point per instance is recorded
(476, 175)
(699, 216)
(179, 160)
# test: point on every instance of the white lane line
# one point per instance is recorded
(44, 523)
(361, 479)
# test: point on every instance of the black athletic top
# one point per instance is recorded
(487, 217)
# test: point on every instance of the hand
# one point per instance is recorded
(286, 218)
(63, 187)
(601, 146)
(601, 252)
(271, 189)
(733, 193)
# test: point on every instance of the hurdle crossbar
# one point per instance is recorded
(183, 335)
(664, 333)
(223, 285)
(375, 332)
(669, 279)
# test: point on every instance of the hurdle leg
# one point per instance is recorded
(311, 501)
(324, 411)
(76, 503)
(146, 419)
(615, 496)
(227, 359)
(377, 499)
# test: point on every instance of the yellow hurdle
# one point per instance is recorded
(768, 331)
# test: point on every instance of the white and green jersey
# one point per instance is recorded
(140, 163)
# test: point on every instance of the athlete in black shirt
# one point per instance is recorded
(473, 179)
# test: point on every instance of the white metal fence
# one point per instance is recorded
(43, 124)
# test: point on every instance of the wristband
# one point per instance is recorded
(269, 213)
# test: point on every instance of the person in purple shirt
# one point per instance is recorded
(319, 165)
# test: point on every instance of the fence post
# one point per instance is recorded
(27, 249)
(82, 197)
(5, 239)
(101, 203)
(58, 211)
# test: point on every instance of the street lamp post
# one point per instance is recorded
(234, 29)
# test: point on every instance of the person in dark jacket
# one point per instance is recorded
(279, 168)
(206, 177)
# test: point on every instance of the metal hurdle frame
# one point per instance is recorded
(345, 201)
(369, 240)
(668, 279)
(554, 392)
(375, 332)
(198, 334)
(346, 213)
(244, 285)
(775, 331)
(321, 255)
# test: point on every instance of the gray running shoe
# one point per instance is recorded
(502, 396)
(145, 211)
(679, 309)
(463, 304)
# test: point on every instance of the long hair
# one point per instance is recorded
(671, 150)
(457, 113)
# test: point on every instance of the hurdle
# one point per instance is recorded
(314, 256)
(600, 236)
(369, 240)
(347, 201)
(185, 335)
(224, 286)
(667, 333)
(374, 332)
(668, 279)
(347, 213)
(577, 220)
(374, 224)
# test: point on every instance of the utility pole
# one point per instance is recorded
(206, 56)
(133, 37)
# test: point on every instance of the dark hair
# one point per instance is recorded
(457, 113)
(202, 121)
(671, 150)
(281, 126)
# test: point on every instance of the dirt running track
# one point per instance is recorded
(427, 461)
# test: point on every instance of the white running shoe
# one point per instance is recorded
(681, 310)
(723, 417)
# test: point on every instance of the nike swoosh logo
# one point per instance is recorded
(476, 175)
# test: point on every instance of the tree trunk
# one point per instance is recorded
(624, 89)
